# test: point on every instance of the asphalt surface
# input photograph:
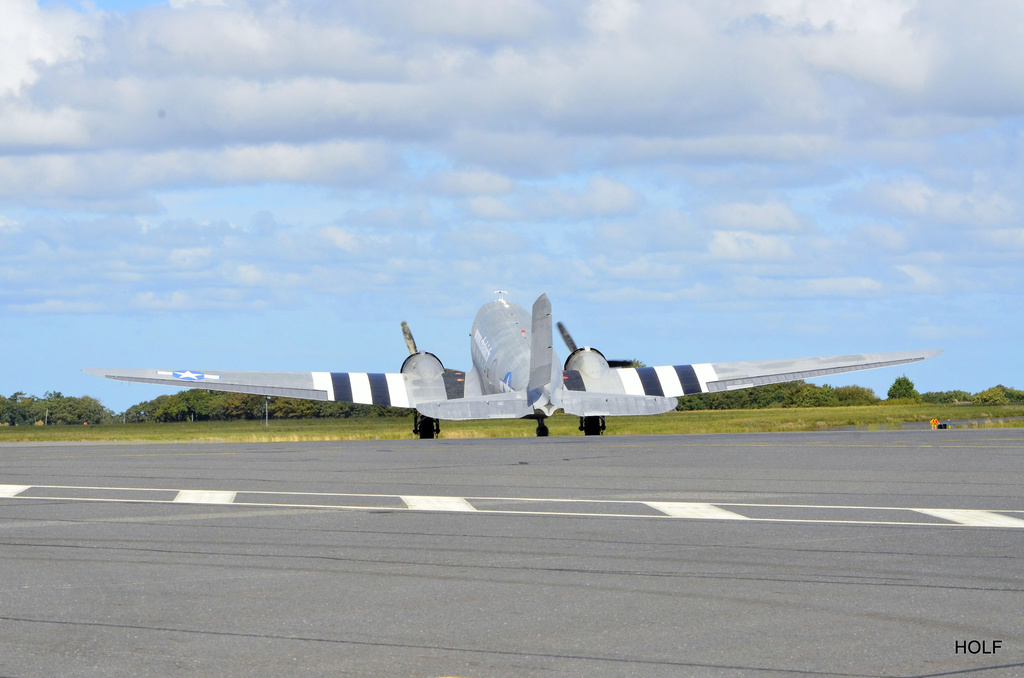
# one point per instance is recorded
(826, 554)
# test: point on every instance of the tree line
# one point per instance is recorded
(802, 394)
(199, 405)
(20, 409)
(55, 408)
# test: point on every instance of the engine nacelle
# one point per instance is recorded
(423, 365)
(589, 362)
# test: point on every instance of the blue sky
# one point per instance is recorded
(276, 185)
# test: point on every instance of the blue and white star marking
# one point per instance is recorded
(189, 375)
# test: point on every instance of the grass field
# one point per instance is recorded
(716, 421)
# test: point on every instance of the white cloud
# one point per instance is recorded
(153, 301)
(868, 41)
(1006, 238)
(810, 287)
(469, 19)
(769, 216)
(601, 197)
(490, 208)
(32, 38)
(629, 295)
(936, 330)
(189, 257)
(922, 280)
(880, 237)
(744, 246)
(606, 197)
(340, 238)
(782, 147)
(30, 128)
(475, 182)
(181, 4)
(91, 176)
(595, 138)
(975, 69)
(416, 215)
(61, 306)
(611, 16)
(852, 286)
(248, 274)
(912, 197)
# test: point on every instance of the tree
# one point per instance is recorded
(18, 409)
(903, 389)
(139, 413)
(71, 410)
(945, 397)
(55, 408)
(292, 408)
(243, 406)
(997, 395)
(809, 395)
(856, 395)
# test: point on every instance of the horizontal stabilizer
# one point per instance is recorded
(587, 404)
(512, 405)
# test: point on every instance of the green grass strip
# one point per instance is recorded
(871, 417)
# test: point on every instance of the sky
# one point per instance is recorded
(276, 185)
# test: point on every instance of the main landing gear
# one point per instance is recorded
(425, 427)
(592, 426)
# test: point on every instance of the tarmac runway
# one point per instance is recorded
(892, 553)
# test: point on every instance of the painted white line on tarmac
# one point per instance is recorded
(973, 517)
(685, 509)
(204, 497)
(957, 518)
(437, 503)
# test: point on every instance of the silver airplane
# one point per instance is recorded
(517, 374)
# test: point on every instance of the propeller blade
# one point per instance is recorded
(611, 363)
(409, 341)
(566, 337)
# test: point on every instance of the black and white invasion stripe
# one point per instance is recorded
(367, 388)
(668, 380)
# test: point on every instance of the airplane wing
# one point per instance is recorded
(440, 396)
(613, 391)
(672, 381)
(353, 387)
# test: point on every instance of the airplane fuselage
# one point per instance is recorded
(499, 345)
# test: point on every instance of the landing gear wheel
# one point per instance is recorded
(426, 427)
(592, 426)
(542, 430)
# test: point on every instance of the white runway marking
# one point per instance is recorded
(976, 518)
(437, 504)
(683, 509)
(532, 506)
(204, 497)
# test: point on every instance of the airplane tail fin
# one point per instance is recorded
(540, 345)
(540, 389)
